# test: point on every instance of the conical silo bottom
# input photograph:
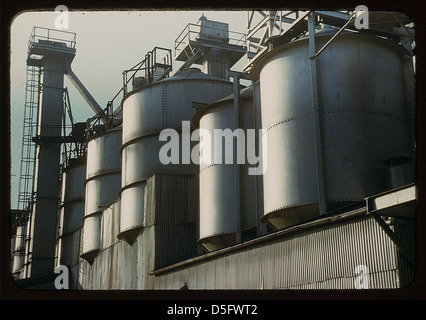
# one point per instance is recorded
(217, 242)
(130, 235)
(90, 256)
(288, 217)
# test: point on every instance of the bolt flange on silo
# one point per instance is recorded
(364, 121)
(148, 110)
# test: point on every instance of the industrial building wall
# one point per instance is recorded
(320, 258)
(118, 265)
(169, 236)
(323, 257)
(74, 268)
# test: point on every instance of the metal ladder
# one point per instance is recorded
(28, 149)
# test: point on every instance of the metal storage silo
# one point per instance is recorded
(103, 181)
(148, 110)
(363, 117)
(72, 207)
(217, 182)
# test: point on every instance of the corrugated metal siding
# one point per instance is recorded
(324, 257)
(171, 211)
(405, 230)
(74, 268)
(170, 236)
(110, 225)
(170, 199)
(174, 243)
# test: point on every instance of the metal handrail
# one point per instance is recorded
(234, 38)
(96, 120)
(148, 65)
(35, 36)
(78, 152)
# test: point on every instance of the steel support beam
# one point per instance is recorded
(85, 94)
(396, 240)
(351, 18)
(321, 175)
(236, 91)
(261, 227)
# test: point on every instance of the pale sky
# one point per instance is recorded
(108, 42)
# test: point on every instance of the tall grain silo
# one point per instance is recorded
(163, 104)
(363, 122)
(227, 206)
(103, 181)
(72, 209)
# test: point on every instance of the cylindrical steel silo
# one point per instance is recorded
(218, 188)
(363, 118)
(103, 181)
(72, 206)
(146, 112)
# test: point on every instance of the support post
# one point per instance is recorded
(397, 241)
(85, 94)
(236, 92)
(321, 183)
(261, 227)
